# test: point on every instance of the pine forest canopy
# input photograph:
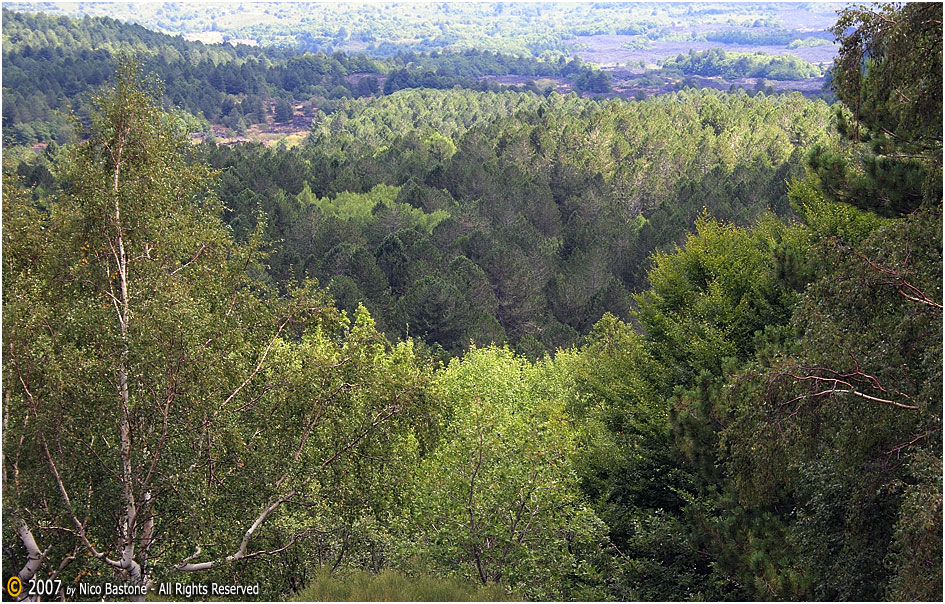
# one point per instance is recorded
(466, 340)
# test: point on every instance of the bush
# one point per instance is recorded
(392, 586)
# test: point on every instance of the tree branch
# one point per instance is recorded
(262, 359)
(203, 246)
(916, 293)
(835, 390)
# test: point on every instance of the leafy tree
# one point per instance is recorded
(764, 423)
(793, 443)
(628, 469)
(557, 203)
(164, 411)
(708, 298)
(283, 111)
(835, 425)
(593, 80)
(496, 501)
(434, 310)
(889, 75)
(888, 72)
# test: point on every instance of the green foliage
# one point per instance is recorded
(593, 81)
(915, 554)
(703, 316)
(888, 74)
(628, 469)
(764, 423)
(827, 219)
(794, 39)
(193, 399)
(496, 501)
(809, 42)
(730, 65)
(364, 209)
(558, 204)
(792, 426)
(283, 111)
(855, 326)
(518, 31)
(51, 62)
(708, 299)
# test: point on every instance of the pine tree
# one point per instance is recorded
(889, 75)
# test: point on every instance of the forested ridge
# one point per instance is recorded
(717, 62)
(52, 63)
(482, 344)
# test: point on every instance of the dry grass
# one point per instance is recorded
(391, 586)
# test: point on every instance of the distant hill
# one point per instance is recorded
(524, 29)
(50, 62)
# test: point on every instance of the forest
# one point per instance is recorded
(717, 62)
(469, 341)
(52, 63)
(515, 28)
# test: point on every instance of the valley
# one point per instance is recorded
(472, 301)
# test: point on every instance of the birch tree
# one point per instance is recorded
(164, 412)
